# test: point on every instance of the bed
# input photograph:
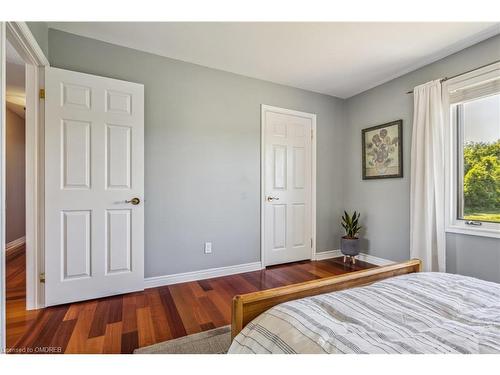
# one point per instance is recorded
(392, 309)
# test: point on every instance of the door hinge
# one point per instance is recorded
(312, 134)
(311, 243)
(42, 277)
(42, 94)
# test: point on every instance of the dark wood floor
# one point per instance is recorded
(119, 324)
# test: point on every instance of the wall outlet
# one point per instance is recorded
(208, 247)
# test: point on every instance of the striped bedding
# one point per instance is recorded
(414, 313)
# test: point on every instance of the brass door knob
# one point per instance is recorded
(134, 201)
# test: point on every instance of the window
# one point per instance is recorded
(478, 123)
(473, 156)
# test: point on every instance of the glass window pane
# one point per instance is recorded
(480, 129)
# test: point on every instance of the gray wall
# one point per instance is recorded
(202, 160)
(202, 134)
(15, 177)
(40, 31)
(385, 203)
(473, 256)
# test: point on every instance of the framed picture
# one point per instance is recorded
(383, 151)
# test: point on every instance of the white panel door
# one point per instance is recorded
(287, 185)
(94, 168)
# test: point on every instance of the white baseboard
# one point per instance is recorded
(362, 256)
(374, 260)
(327, 254)
(15, 244)
(156, 281)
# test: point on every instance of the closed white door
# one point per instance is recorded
(287, 186)
(94, 186)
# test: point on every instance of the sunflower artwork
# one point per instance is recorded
(382, 151)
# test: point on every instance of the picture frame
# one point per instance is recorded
(382, 151)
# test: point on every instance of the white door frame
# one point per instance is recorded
(2, 190)
(20, 36)
(312, 116)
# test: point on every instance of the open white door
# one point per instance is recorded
(288, 186)
(94, 186)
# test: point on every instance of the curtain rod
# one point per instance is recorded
(458, 75)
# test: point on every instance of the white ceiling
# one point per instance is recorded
(339, 59)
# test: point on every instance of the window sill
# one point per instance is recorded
(481, 232)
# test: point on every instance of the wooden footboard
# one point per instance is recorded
(248, 306)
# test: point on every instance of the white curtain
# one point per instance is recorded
(427, 237)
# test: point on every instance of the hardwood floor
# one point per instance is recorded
(18, 319)
(120, 324)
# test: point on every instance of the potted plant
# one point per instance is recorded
(349, 244)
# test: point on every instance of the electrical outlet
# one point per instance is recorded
(208, 247)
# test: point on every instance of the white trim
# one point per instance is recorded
(312, 116)
(25, 44)
(452, 223)
(327, 254)
(313, 187)
(15, 244)
(35, 124)
(361, 256)
(2, 191)
(156, 281)
(374, 260)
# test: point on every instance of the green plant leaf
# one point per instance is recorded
(351, 224)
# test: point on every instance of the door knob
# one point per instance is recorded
(134, 201)
(270, 199)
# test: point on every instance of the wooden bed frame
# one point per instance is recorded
(248, 306)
